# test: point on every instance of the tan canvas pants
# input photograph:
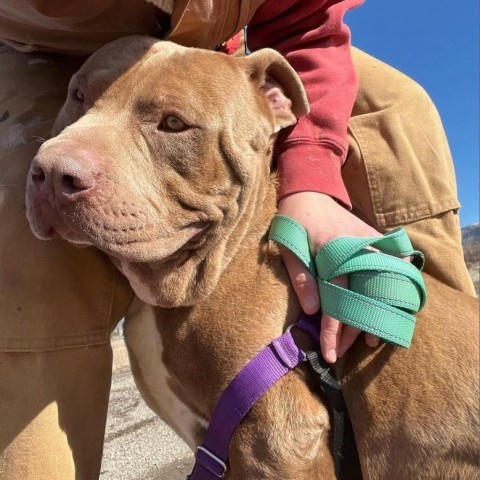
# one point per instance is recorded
(59, 303)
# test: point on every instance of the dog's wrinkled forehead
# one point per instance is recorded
(140, 69)
(141, 74)
(199, 80)
(101, 70)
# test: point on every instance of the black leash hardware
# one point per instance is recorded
(345, 454)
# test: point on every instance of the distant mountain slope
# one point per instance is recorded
(471, 250)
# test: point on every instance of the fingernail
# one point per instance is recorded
(310, 303)
(341, 350)
(331, 356)
(375, 342)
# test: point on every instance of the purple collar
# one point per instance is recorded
(263, 371)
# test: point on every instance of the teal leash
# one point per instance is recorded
(385, 292)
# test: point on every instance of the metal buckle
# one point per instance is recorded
(288, 330)
(219, 461)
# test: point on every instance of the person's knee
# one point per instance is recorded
(412, 97)
(384, 88)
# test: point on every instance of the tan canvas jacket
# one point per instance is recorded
(81, 26)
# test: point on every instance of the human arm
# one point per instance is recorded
(309, 156)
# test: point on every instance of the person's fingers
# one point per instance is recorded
(332, 330)
(303, 283)
(349, 335)
(329, 337)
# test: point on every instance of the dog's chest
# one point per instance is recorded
(152, 378)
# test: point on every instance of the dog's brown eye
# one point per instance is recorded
(78, 95)
(172, 123)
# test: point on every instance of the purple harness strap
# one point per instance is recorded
(264, 370)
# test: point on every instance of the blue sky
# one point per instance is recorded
(436, 43)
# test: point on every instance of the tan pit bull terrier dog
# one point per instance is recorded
(162, 161)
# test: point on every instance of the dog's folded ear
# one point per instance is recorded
(280, 84)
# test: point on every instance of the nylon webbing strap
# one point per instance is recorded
(344, 448)
(384, 291)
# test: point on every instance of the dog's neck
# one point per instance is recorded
(206, 344)
(252, 276)
(253, 281)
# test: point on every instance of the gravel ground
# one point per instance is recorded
(138, 445)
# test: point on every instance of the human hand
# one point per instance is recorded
(323, 219)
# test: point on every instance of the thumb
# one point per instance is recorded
(303, 282)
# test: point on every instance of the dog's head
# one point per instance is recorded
(161, 154)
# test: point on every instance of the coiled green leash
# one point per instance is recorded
(384, 291)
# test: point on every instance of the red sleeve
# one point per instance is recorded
(312, 36)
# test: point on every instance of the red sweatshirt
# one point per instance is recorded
(312, 36)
